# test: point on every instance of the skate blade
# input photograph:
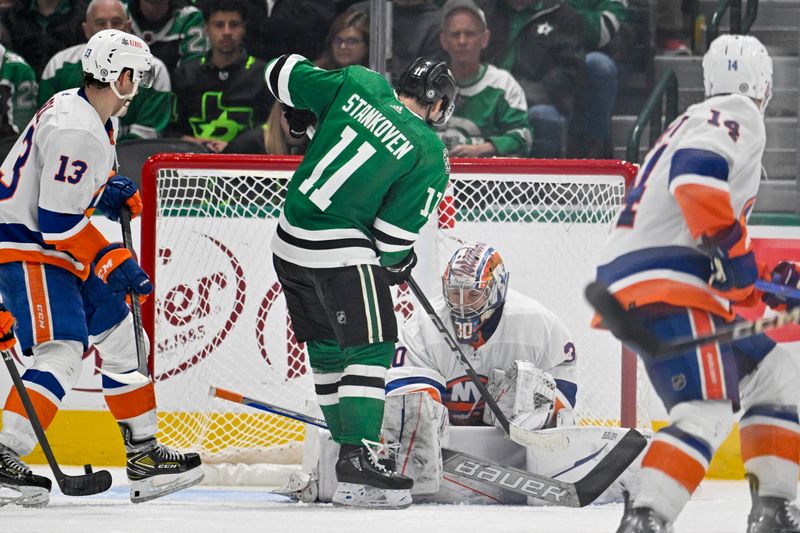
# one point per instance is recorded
(301, 487)
(26, 496)
(147, 489)
(364, 497)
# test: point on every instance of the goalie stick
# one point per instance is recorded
(627, 328)
(83, 485)
(777, 288)
(578, 494)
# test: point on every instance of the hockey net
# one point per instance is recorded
(218, 317)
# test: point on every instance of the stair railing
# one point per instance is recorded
(739, 25)
(664, 95)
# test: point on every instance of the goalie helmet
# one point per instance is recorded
(109, 52)
(474, 285)
(430, 81)
(738, 64)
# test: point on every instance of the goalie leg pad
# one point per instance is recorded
(420, 426)
(679, 454)
(769, 429)
(525, 394)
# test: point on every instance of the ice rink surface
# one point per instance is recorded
(717, 507)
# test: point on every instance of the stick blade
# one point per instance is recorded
(85, 485)
(610, 467)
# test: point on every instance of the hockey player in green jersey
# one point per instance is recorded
(372, 175)
(17, 93)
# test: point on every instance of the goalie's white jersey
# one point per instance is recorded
(700, 177)
(50, 181)
(527, 331)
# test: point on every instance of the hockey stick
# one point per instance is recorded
(515, 432)
(777, 288)
(627, 328)
(141, 374)
(83, 485)
(578, 494)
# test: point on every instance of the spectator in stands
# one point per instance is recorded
(224, 93)
(591, 127)
(277, 27)
(541, 43)
(347, 42)
(37, 29)
(17, 93)
(273, 138)
(416, 25)
(148, 113)
(172, 28)
(491, 114)
(671, 38)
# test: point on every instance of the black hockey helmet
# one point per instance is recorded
(429, 81)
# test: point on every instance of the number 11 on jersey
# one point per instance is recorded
(321, 197)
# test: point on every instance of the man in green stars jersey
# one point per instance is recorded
(372, 175)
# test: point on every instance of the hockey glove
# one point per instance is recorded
(732, 276)
(7, 339)
(299, 120)
(115, 265)
(786, 273)
(119, 191)
(398, 273)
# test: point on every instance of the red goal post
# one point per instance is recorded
(218, 319)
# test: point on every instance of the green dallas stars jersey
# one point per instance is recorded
(490, 107)
(371, 176)
(18, 90)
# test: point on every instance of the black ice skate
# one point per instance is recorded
(18, 484)
(770, 514)
(364, 480)
(641, 520)
(155, 470)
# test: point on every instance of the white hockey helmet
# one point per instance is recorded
(109, 52)
(474, 285)
(738, 64)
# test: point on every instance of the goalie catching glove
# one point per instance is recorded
(7, 339)
(525, 394)
(115, 265)
(788, 274)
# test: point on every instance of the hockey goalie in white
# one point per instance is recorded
(526, 357)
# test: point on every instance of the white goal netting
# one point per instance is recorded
(220, 318)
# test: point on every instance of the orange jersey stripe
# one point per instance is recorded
(675, 463)
(132, 404)
(37, 296)
(83, 246)
(707, 210)
(45, 409)
(761, 440)
(32, 256)
(673, 293)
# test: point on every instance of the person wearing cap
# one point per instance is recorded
(491, 114)
(541, 43)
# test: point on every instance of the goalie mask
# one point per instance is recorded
(474, 285)
(738, 64)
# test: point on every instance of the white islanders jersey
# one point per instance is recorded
(50, 182)
(527, 331)
(700, 177)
